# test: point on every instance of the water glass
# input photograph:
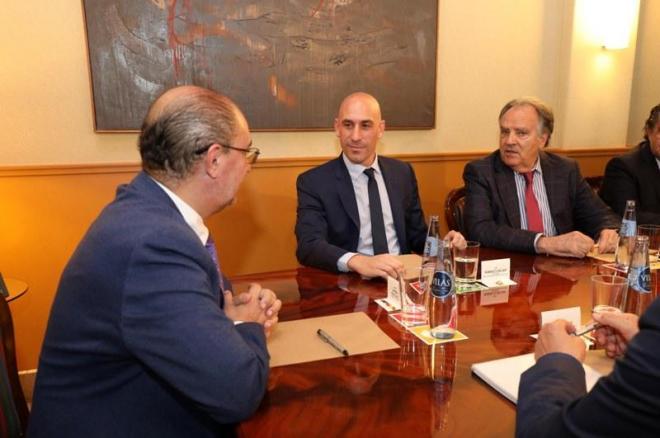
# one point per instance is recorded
(414, 284)
(466, 261)
(608, 293)
(653, 231)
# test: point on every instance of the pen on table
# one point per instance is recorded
(588, 328)
(330, 340)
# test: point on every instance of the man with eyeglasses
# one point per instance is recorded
(359, 210)
(145, 337)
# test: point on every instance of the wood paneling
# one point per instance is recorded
(45, 211)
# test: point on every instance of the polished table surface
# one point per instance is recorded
(417, 390)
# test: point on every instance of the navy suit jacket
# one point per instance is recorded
(137, 344)
(634, 175)
(328, 224)
(552, 399)
(492, 215)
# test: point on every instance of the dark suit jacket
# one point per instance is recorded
(626, 403)
(137, 344)
(328, 225)
(492, 216)
(634, 175)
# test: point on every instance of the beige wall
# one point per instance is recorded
(646, 82)
(488, 52)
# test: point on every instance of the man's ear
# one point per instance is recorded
(381, 128)
(336, 125)
(212, 162)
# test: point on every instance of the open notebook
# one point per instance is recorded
(504, 374)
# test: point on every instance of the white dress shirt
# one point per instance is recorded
(360, 187)
(192, 218)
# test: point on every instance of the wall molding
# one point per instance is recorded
(122, 168)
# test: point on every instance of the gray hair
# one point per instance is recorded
(175, 134)
(543, 110)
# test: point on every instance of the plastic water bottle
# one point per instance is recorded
(626, 236)
(639, 278)
(442, 307)
(431, 245)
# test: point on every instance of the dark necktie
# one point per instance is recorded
(376, 211)
(534, 219)
(213, 252)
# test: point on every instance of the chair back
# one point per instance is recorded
(595, 182)
(454, 206)
(14, 414)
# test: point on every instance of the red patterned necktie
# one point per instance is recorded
(534, 219)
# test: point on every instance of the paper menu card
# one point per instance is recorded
(297, 341)
(504, 374)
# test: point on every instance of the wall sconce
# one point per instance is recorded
(616, 19)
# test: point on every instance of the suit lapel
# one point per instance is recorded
(506, 186)
(395, 195)
(651, 170)
(549, 181)
(346, 191)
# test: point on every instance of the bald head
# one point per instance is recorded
(180, 124)
(361, 99)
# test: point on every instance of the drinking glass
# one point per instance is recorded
(466, 261)
(653, 231)
(414, 284)
(608, 293)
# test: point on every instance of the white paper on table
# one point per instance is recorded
(570, 314)
(496, 273)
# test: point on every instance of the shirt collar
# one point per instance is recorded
(192, 218)
(355, 170)
(536, 167)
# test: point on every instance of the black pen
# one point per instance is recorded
(588, 328)
(336, 345)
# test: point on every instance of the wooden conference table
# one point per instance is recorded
(416, 390)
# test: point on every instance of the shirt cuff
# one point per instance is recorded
(342, 263)
(536, 239)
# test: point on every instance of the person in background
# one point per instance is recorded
(359, 210)
(552, 397)
(636, 175)
(144, 337)
(522, 198)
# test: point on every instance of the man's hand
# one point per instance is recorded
(618, 329)
(256, 305)
(607, 241)
(382, 265)
(573, 244)
(456, 239)
(556, 337)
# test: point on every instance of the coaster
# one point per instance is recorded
(423, 332)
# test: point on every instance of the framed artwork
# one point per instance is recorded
(286, 63)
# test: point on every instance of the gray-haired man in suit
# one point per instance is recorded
(522, 198)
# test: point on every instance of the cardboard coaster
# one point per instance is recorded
(423, 333)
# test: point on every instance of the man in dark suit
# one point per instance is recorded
(522, 198)
(143, 338)
(552, 397)
(636, 175)
(351, 218)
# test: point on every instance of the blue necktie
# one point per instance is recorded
(379, 239)
(213, 252)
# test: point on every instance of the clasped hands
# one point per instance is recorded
(576, 244)
(616, 331)
(256, 305)
(388, 265)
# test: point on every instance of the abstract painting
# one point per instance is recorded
(286, 63)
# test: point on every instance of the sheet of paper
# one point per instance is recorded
(297, 341)
(609, 258)
(504, 374)
(571, 314)
(496, 273)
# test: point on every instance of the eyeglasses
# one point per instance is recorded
(251, 152)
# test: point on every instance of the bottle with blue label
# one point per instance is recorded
(639, 295)
(627, 234)
(442, 308)
(430, 253)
